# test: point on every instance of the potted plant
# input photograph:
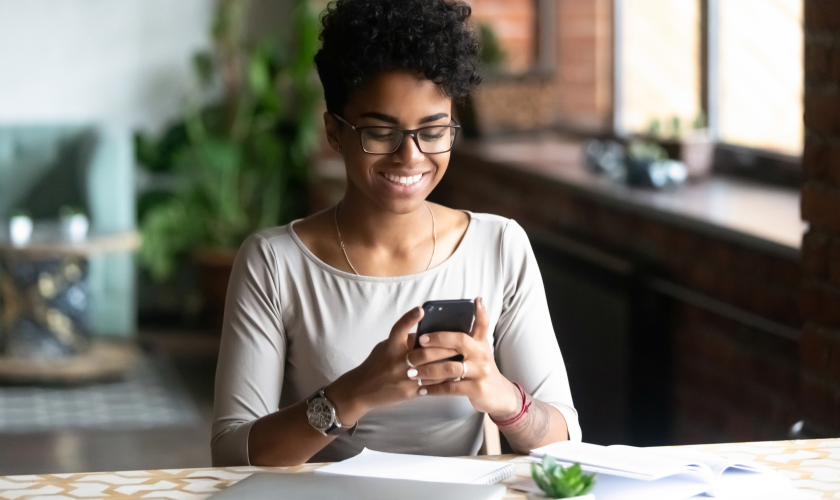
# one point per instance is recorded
(557, 481)
(490, 60)
(74, 223)
(20, 227)
(238, 164)
(694, 147)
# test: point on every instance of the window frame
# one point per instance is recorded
(731, 159)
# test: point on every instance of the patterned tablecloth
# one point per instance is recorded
(811, 465)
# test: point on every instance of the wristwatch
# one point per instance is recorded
(321, 415)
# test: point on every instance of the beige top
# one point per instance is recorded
(294, 324)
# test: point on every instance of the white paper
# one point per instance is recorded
(717, 463)
(624, 461)
(612, 487)
(371, 463)
(676, 487)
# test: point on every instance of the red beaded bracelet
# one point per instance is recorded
(522, 412)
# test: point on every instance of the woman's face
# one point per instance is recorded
(400, 181)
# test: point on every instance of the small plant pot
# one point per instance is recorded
(541, 496)
(75, 227)
(20, 229)
(697, 151)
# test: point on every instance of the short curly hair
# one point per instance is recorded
(431, 38)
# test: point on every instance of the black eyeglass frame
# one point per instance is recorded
(413, 133)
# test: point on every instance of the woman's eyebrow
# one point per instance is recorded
(432, 118)
(391, 119)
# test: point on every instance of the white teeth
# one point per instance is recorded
(405, 181)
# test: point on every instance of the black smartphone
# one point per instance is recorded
(446, 316)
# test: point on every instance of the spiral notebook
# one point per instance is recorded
(371, 463)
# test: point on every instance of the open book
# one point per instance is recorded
(687, 471)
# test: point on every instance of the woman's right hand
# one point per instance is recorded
(382, 379)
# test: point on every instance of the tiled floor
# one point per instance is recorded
(148, 397)
(193, 357)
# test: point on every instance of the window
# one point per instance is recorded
(759, 61)
(734, 64)
(658, 70)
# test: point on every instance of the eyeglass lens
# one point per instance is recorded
(382, 140)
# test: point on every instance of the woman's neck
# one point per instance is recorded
(369, 225)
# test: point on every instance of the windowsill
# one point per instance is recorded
(752, 214)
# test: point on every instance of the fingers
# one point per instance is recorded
(447, 388)
(435, 372)
(456, 341)
(419, 357)
(399, 333)
(482, 321)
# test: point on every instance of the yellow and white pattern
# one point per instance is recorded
(811, 465)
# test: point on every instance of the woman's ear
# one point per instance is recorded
(332, 128)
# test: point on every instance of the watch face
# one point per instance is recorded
(320, 414)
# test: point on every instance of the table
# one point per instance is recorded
(46, 335)
(810, 464)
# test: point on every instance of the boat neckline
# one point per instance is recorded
(383, 279)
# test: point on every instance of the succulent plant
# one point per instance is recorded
(557, 481)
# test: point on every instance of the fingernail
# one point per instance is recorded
(412, 373)
(423, 391)
(480, 302)
(417, 311)
(424, 339)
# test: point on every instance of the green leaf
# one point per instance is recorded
(649, 151)
(167, 232)
(491, 55)
(540, 478)
(205, 68)
(259, 77)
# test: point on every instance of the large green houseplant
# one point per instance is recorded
(239, 163)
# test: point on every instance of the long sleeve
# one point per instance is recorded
(249, 376)
(526, 348)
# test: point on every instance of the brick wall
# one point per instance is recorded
(731, 382)
(514, 23)
(576, 94)
(820, 345)
(583, 81)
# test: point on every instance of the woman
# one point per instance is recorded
(316, 360)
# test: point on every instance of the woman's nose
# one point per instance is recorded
(408, 151)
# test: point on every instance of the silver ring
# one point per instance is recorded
(407, 361)
(464, 374)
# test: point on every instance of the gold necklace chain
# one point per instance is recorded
(341, 242)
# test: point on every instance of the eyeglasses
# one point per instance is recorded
(387, 140)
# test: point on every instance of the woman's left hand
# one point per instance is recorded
(488, 390)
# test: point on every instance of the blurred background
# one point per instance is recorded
(674, 162)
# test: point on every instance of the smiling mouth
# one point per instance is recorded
(403, 181)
